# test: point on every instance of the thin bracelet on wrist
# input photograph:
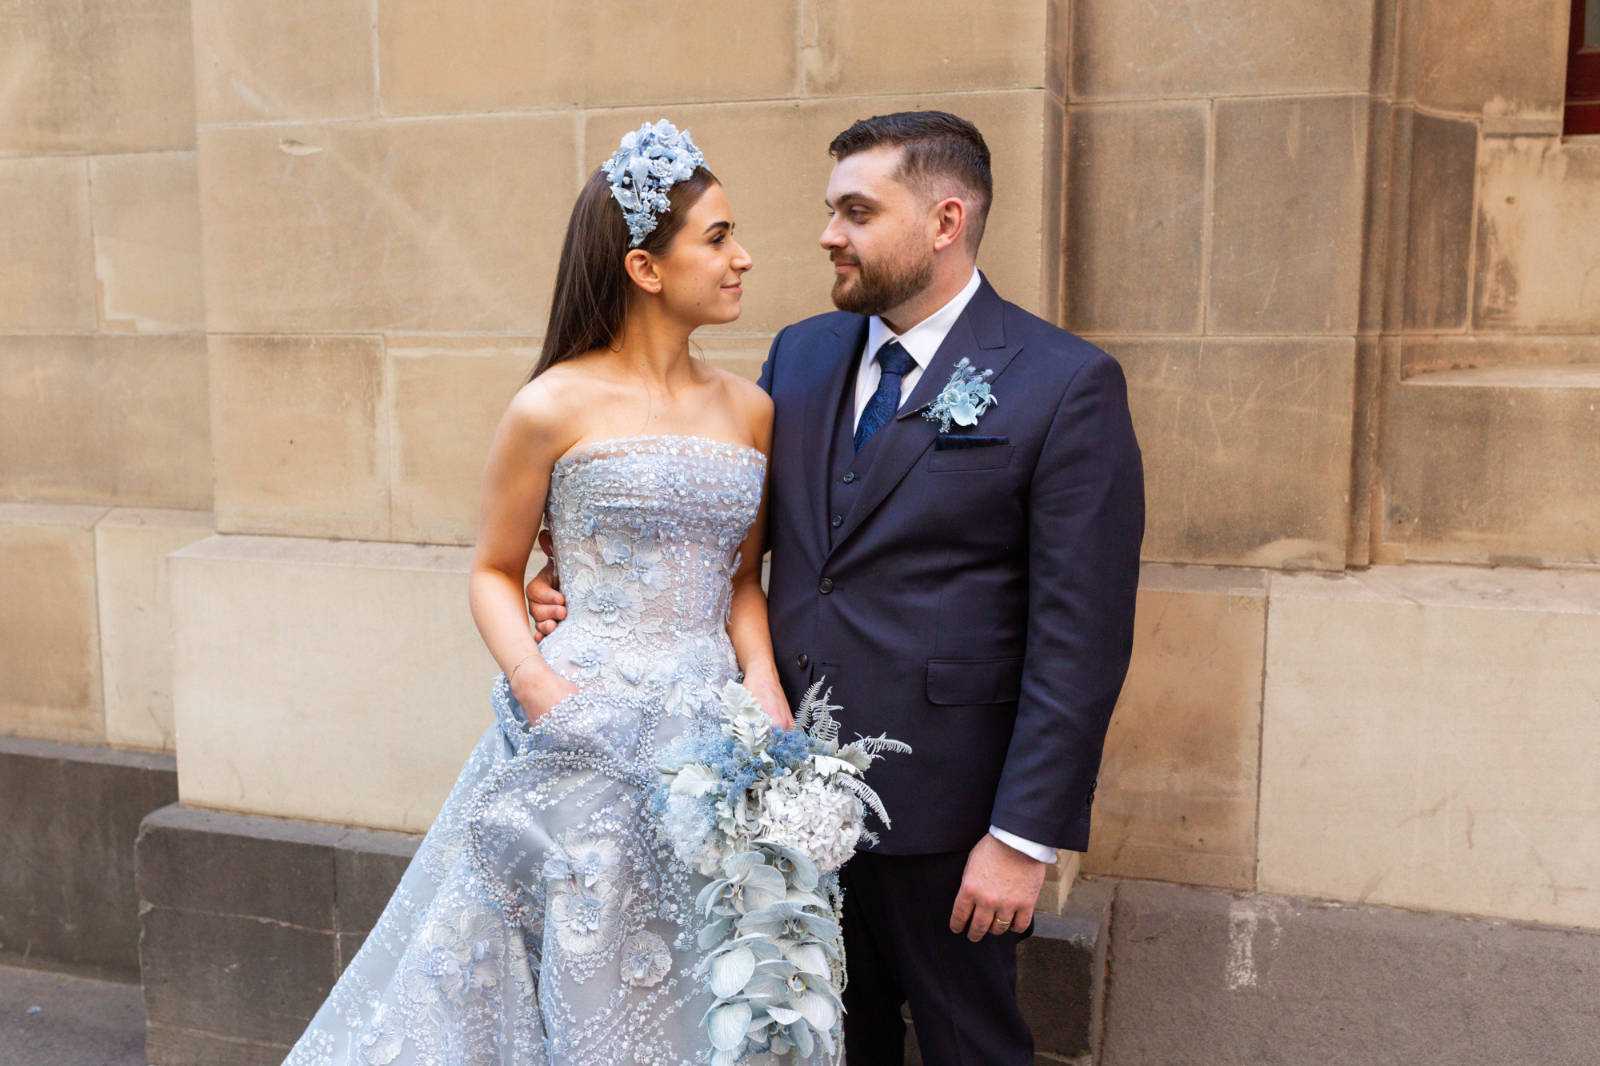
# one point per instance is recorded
(512, 676)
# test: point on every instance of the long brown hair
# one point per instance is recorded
(592, 287)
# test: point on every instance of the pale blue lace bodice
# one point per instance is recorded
(544, 921)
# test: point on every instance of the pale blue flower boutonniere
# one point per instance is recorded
(964, 399)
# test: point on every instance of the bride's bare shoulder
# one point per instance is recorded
(555, 400)
(751, 401)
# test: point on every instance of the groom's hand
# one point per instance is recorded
(999, 890)
(546, 606)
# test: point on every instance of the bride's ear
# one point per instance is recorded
(641, 267)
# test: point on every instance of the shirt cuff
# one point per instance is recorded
(1042, 852)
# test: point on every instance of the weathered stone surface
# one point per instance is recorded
(251, 60)
(449, 396)
(116, 419)
(298, 658)
(49, 628)
(780, 221)
(1496, 464)
(1177, 795)
(737, 352)
(451, 224)
(48, 282)
(67, 890)
(54, 1018)
(482, 55)
(1497, 57)
(1538, 265)
(192, 859)
(147, 242)
(1207, 977)
(1287, 212)
(368, 864)
(136, 619)
(1439, 219)
(1426, 355)
(1061, 972)
(1246, 448)
(190, 1047)
(247, 977)
(96, 76)
(1226, 47)
(301, 435)
(1136, 201)
(849, 49)
(1429, 741)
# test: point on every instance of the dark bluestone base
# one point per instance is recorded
(69, 815)
(248, 921)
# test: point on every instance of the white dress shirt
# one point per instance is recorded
(921, 341)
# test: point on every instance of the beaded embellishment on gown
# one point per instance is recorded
(542, 922)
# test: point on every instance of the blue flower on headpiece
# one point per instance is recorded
(647, 164)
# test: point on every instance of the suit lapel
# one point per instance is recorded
(979, 334)
(834, 371)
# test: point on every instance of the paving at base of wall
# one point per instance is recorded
(67, 879)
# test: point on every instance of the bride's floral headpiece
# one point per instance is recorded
(649, 162)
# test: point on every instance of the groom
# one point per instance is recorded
(965, 585)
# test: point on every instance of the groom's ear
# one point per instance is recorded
(950, 222)
(641, 268)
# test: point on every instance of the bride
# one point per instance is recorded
(543, 922)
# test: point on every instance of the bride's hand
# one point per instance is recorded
(770, 695)
(540, 691)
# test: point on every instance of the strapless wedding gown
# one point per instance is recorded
(542, 921)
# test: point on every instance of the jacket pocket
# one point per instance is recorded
(989, 457)
(969, 682)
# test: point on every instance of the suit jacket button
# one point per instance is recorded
(849, 477)
(802, 660)
(825, 586)
(837, 520)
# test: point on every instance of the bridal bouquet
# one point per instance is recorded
(770, 815)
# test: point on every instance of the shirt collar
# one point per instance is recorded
(923, 339)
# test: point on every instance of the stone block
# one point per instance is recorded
(116, 419)
(741, 353)
(368, 865)
(97, 76)
(54, 1018)
(850, 49)
(1497, 465)
(267, 868)
(301, 435)
(297, 659)
(49, 278)
(189, 1047)
(1495, 57)
(67, 892)
(1208, 978)
(136, 619)
(1537, 260)
(1246, 445)
(449, 396)
(450, 225)
(1438, 262)
(1061, 972)
(49, 627)
(1226, 47)
(1287, 211)
(1386, 175)
(1429, 741)
(481, 55)
(194, 979)
(1500, 353)
(291, 59)
(780, 221)
(1136, 202)
(1177, 795)
(147, 242)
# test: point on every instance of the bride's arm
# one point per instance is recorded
(747, 620)
(531, 436)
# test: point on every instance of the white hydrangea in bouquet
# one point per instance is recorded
(770, 815)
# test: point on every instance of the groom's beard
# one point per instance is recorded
(879, 287)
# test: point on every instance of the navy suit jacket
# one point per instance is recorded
(977, 601)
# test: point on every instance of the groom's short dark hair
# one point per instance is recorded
(937, 145)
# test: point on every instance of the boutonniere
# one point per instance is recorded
(964, 398)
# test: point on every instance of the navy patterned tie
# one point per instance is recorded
(896, 362)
